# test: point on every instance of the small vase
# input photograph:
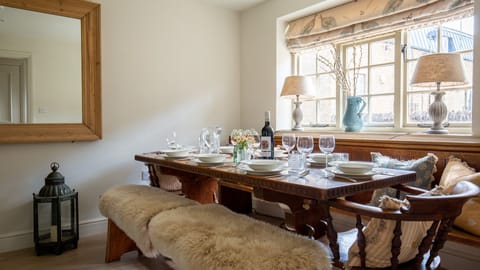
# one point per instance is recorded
(352, 119)
(239, 153)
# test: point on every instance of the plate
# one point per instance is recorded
(362, 176)
(314, 163)
(262, 173)
(207, 164)
(264, 164)
(227, 149)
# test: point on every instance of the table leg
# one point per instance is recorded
(200, 188)
(237, 198)
(302, 214)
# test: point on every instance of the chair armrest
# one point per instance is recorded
(364, 210)
(410, 189)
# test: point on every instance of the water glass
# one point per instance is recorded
(296, 162)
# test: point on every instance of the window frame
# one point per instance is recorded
(401, 85)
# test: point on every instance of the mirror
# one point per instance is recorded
(82, 120)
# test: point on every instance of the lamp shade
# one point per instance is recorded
(445, 68)
(297, 86)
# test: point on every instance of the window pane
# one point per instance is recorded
(381, 109)
(417, 106)
(326, 55)
(325, 86)
(307, 63)
(382, 51)
(422, 41)
(361, 81)
(309, 110)
(326, 111)
(457, 35)
(459, 104)
(382, 79)
(361, 55)
(468, 62)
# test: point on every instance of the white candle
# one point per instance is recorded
(53, 233)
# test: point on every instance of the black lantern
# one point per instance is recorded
(55, 215)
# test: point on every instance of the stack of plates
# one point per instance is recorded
(263, 167)
(358, 170)
(176, 153)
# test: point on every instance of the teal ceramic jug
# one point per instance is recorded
(352, 120)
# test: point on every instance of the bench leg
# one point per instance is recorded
(118, 243)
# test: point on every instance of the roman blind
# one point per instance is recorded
(364, 18)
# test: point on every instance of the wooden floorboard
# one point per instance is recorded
(90, 254)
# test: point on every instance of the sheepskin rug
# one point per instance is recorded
(211, 237)
(132, 207)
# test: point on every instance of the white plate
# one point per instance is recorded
(207, 164)
(264, 164)
(363, 176)
(227, 149)
(176, 152)
(355, 167)
(262, 173)
(315, 163)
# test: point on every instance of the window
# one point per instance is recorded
(385, 65)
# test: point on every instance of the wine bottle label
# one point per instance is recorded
(265, 146)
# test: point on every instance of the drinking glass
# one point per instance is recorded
(288, 142)
(326, 144)
(305, 146)
(172, 141)
(253, 141)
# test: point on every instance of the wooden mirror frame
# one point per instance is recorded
(91, 127)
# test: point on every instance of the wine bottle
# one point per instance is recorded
(266, 140)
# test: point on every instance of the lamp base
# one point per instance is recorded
(437, 131)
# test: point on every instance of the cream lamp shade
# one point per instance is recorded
(433, 70)
(296, 87)
(446, 68)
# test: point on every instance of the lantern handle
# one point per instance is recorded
(54, 166)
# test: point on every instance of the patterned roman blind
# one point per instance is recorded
(365, 18)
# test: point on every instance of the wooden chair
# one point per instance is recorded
(440, 210)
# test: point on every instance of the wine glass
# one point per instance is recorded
(288, 141)
(305, 146)
(326, 144)
(172, 141)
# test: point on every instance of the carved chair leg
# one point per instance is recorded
(118, 243)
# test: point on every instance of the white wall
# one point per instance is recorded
(166, 65)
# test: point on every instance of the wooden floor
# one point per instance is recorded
(89, 255)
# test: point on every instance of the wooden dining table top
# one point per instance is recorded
(313, 185)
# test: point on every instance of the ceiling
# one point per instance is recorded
(237, 5)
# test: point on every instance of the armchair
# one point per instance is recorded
(425, 221)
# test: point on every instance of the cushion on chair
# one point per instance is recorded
(425, 167)
(168, 182)
(456, 171)
(131, 207)
(379, 234)
(212, 237)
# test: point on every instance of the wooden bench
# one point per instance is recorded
(198, 237)
(406, 147)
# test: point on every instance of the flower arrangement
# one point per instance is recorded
(347, 81)
(242, 138)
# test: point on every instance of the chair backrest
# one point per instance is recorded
(441, 211)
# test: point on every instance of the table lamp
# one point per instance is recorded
(433, 70)
(294, 87)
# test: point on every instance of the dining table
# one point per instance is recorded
(303, 197)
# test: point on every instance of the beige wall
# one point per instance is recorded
(166, 65)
